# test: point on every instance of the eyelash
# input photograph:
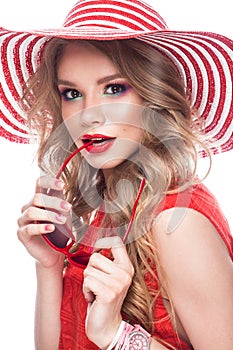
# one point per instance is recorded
(123, 87)
(64, 93)
(76, 94)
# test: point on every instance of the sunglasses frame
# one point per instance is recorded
(87, 250)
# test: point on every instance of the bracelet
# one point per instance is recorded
(130, 337)
(123, 340)
(117, 336)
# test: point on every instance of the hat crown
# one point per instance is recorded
(133, 15)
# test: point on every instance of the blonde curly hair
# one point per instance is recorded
(167, 157)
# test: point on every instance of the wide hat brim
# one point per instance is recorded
(203, 59)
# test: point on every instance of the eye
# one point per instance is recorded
(70, 94)
(115, 89)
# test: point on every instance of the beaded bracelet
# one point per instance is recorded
(130, 337)
(117, 336)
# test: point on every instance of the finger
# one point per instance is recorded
(99, 262)
(105, 286)
(37, 214)
(117, 247)
(26, 206)
(109, 273)
(25, 232)
(45, 201)
(93, 288)
(42, 201)
(42, 185)
(49, 182)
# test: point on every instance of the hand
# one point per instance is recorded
(39, 217)
(106, 283)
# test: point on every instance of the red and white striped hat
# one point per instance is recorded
(203, 59)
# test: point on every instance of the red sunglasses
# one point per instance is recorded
(62, 238)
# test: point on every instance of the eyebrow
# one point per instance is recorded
(99, 82)
(108, 78)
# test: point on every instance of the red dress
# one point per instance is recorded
(74, 306)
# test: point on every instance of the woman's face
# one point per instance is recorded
(98, 104)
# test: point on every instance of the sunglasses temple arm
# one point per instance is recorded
(107, 252)
(71, 156)
(58, 176)
(68, 159)
(142, 184)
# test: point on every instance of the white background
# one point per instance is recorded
(19, 171)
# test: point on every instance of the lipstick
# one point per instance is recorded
(99, 142)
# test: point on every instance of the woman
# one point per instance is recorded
(126, 104)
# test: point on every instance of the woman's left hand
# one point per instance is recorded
(106, 283)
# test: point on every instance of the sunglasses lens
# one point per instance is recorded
(58, 238)
(82, 256)
(62, 235)
(81, 260)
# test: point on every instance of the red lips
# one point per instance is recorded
(101, 143)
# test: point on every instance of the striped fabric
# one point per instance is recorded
(203, 59)
(124, 15)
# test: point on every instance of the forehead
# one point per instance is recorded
(84, 58)
(82, 51)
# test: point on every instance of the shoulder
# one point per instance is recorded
(186, 228)
(197, 272)
(197, 205)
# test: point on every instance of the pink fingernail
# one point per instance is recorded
(59, 184)
(60, 217)
(49, 228)
(66, 205)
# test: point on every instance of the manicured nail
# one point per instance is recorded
(65, 205)
(59, 184)
(49, 228)
(60, 217)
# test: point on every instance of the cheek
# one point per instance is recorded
(135, 134)
(72, 123)
(127, 114)
(67, 110)
(71, 109)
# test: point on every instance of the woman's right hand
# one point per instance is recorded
(39, 217)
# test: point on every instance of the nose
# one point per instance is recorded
(92, 116)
